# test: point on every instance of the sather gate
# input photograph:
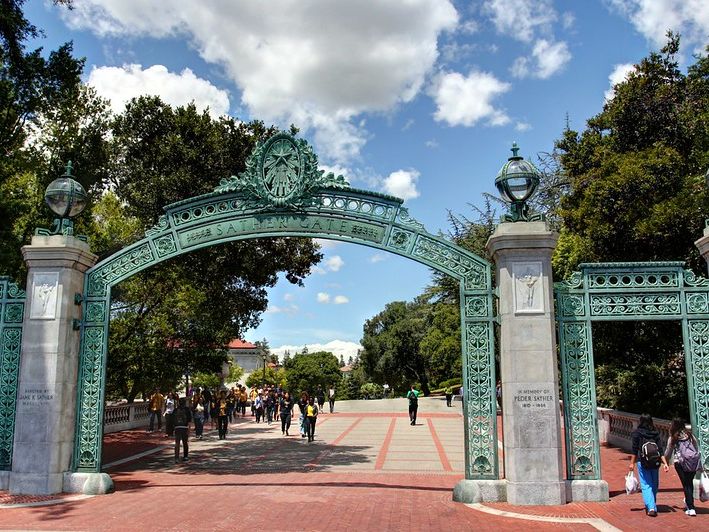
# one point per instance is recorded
(282, 193)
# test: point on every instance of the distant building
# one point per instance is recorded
(246, 355)
(346, 370)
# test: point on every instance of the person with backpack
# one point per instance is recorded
(182, 416)
(683, 448)
(413, 397)
(647, 453)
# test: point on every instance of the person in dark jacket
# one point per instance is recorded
(302, 405)
(649, 475)
(286, 408)
(182, 417)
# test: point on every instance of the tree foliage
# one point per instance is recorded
(307, 371)
(638, 193)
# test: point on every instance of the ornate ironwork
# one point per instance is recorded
(282, 193)
(626, 291)
(12, 308)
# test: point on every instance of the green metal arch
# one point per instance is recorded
(317, 206)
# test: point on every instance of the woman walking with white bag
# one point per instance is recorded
(683, 449)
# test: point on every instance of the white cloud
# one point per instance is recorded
(652, 18)
(522, 127)
(619, 75)
(377, 257)
(120, 84)
(288, 297)
(288, 309)
(466, 100)
(323, 297)
(402, 184)
(521, 19)
(334, 263)
(547, 59)
(336, 347)
(341, 300)
(410, 122)
(432, 143)
(550, 57)
(318, 64)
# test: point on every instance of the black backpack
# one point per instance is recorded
(650, 455)
(181, 417)
(413, 398)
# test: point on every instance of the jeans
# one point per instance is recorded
(301, 420)
(649, 483)
(259, 414)
(310, 427)
(332, 405)
(687, 479)
(181, 436)
(449, 398)
(285, 422)
(222, 423)
(269, 413)
(155, 414)
(198, 425)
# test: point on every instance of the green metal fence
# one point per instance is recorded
(632, 291)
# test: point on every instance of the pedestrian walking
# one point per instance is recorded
(302, 405)
(258, 407)
(170, 405)
(320, 396)
(183, 416)
(648, 455)
(311, 417)
(286, 408)
(155, 406)
(683, 448)
(222, 415)
(331, 398)
(198, 417)
(449, 395)
(207, 396)
(413, 397)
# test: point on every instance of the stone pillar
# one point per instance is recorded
(46, 396)
(528, 363)
(703, 244)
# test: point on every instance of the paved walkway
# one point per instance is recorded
(367, 470)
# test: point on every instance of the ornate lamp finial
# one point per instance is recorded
(517, 181)
(66, 198)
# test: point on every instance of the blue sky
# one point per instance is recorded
(418, 98)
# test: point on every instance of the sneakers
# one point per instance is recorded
(185, 459)
(691, 513)
(652, 513)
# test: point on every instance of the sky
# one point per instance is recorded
(420, 99)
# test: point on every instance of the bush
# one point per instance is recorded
(371, 391)
(454, 383)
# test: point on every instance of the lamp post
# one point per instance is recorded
(517, 181)
(66, 198)
(263, 357)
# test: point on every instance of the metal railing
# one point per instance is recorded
(125, 416)
(615, 427)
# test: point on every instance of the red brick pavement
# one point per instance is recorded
(246, 499)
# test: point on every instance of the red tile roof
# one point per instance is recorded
(240, 344)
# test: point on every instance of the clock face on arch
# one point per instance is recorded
(281, 169)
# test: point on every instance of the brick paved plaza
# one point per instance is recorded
(367, 470)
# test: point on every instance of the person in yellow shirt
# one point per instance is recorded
(311, 417)
(155, 406)
(253, 396)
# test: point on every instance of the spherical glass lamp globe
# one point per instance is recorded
(65, 196)
(518, 179)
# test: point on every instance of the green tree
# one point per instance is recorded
(273, 377)
(308, 370)
(391, 343)
(638, 194)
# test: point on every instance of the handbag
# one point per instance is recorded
(704, 487)
(631, 483)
